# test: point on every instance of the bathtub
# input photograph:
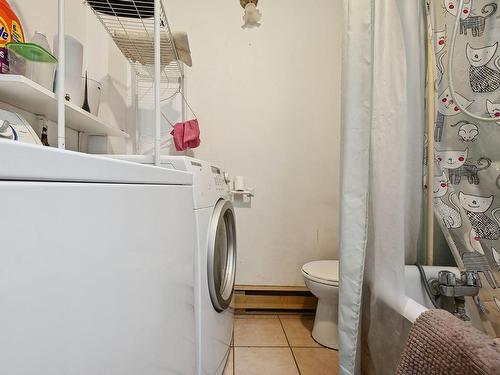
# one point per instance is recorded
(381, 355)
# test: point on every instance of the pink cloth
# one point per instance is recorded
(178, 135)
(186, 135)
(192, 133)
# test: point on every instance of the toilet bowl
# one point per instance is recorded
(322, 279)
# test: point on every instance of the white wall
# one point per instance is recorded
(268, 101)
(102, 59)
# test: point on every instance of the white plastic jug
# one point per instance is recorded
(74, 65)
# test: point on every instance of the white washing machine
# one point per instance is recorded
(215, 265)
(216, 268)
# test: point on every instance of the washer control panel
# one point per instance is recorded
(219, 179)
(209, 181)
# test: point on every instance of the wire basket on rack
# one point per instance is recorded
(130, 23)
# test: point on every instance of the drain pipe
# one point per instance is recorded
(431, 111)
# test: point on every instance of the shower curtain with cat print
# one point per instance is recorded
(466, 182)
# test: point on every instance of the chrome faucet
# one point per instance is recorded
(448, 285)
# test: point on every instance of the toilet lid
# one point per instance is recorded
(323, 271)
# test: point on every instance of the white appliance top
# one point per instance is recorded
(209, 180)
(21, 161)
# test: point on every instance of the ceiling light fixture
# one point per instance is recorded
(252, 15)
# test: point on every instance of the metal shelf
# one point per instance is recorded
(131, 26)
(27, 95)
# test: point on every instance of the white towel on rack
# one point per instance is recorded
(138, 47)
(181, 42)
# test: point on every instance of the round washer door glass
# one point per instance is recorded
(222, 255)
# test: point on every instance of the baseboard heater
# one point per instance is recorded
(280, 298)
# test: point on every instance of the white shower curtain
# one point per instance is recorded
(383, 127)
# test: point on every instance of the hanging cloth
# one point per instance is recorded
(186, 134)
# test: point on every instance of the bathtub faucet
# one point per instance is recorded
(448, 285)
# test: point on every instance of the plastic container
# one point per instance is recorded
(33, 62)
(93, 95)
(42, 73)
(73, 56)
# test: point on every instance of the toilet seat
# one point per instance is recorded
(322, 271)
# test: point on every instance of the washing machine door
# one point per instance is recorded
(222, 255)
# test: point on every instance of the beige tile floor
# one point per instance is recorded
(274, 344)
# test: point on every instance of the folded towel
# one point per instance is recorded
(137, 46)
(181, 42)
(441, 344)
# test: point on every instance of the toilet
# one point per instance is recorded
(322, 279)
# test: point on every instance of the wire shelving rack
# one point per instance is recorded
(141, 31)
(131, 25)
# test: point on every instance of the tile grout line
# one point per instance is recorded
(255, 319)
(234, 350)
(263, 346)
(285, 346)
(289, 346)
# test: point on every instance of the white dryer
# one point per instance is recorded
(215, 265)
(97, 267)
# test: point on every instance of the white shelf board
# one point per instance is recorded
(25, 94)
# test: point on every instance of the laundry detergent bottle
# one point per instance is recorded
(11, 30)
